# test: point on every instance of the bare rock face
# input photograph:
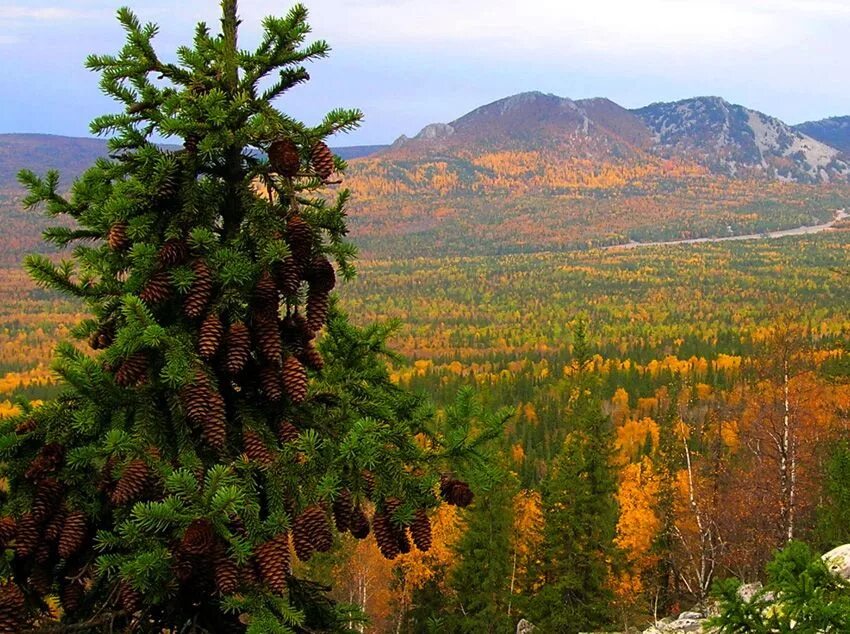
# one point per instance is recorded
(838, 561)
(524, 627)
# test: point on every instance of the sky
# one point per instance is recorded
(407, 63)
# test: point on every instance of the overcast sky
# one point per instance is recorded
(407, 63)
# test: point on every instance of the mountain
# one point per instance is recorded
(73, 155)
(737, 141)
(834, 131)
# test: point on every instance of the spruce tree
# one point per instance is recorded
(580, 513)
(228, 410)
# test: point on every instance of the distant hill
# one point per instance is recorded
(73, 155)
(834, 131)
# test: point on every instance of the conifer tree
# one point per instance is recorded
(580, 514)
(229, 410)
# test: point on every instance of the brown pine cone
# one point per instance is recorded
(272, 559)
(284, 158)
(47, 498)
(287, 276)
(255, 448)
(294, 379)
(13, 607)
(403, 542)
(27, 536)
(311, 532)
(386, 535)
(199, 538)
(267, 336)
(117, 237)
(238, 347)
(102, 337)
(299, 236)
(182, 566)
(368, 482)
(209, 337)
(132, 483)
(287, 432)
(205, 408)
(200, 292)
(8, 528)
(320, 274)
(265, 292)
(71, 595)
(173, 252)
(54, 527)
(26, 426)
(48, 460)
(226, 573)
(271, 382)
(40, 580)
(359, 523)
(420, 529)
(129, 598)
(73, 534)
(157, 290)
(318, 303)
(455, 492)
(342, 509)
(322, 160)
(133, 370)
(312, 358)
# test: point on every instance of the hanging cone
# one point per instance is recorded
(47, 498)
(133, 370)
(71, 595)
(255, 448)
(311, 532)
(342, 509)
(48, 460)
(420, 529)
(55, 526)
(359, 523)
(272, 559)
(13, 607)
(205, 408)
(26, 426)
(210, 335)
(132, 483)
(455, 492)
(117, 237)
(199, 538)
(27, 536)
(8, 528)
(267, 337)
(73, 534)
(200, 291)
(265, 292)
(385, 535)
(320, 274)
(322, 160)
(287, 432)
(40, 580)
(294, 379)
(226, 573)
(157, 289)
(287, 277)
(312, 358)
(173, 252)
(238, 347)
(129, 598)
(271, 382)
(299, 236)
(317, 309)
(368, 482)
(102, 337)
(284, 158)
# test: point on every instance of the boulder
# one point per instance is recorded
(524, 627)
(838, 561)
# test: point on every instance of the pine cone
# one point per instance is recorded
(318, 303)
(117, 237)
(200, 292)
(40, 580)
(322, 160)
(299, 237)
(312, 358)
(271, 382)
(267, 336)
(26, 426)
(27, 536)
(226, 573)
(157, 289)
(255, 448)
(294, 379)
(199, 538)
(359, 523)
(292, 334)
(102, 337)
(8, 528)
(173, 252)
(183, 566)
(265, 292)
(73, 534)
(386, 535)
(287, 432)
(44, 553)
(320, 274)
(284, 158)
(455, 492)
(272, 559)
(129, 598)
(238, 347)
(342, 509)
(48, 495)
(205, 408)
(133, 370)
(420, 529)
(287, 276)
(311, 532)
(48, 460)
(12, 608)
(71, 595)
(368, 482)
(132, 483)
(210, 335)
(54, 527)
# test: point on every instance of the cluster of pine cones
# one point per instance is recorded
(285, 159)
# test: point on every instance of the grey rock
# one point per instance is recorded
(691, 615)
(524, 627)
(749, 590)
(838, 561)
